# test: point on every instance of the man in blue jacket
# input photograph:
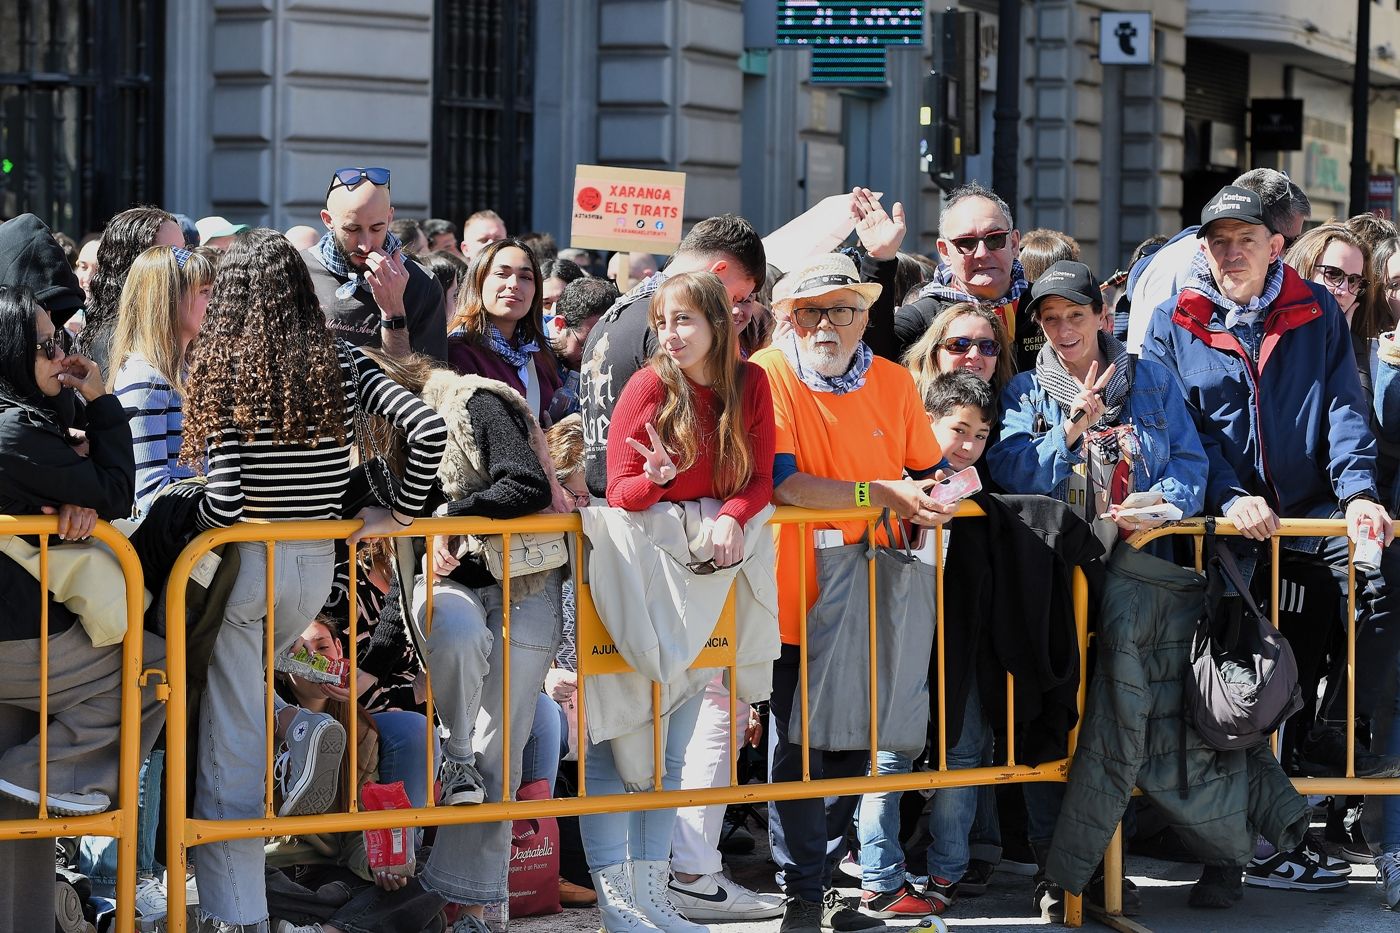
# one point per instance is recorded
(1264, 360)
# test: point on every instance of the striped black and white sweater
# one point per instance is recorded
(270, 480)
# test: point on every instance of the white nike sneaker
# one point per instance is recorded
(1292, 871)
(716, 897)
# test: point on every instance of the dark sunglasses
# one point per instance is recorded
(52, 346)
(962, 345)
(967, 245)
(1335, 277)
(352, 178)
(840, 316)
(703, 568)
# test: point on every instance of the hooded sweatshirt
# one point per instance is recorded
(30, 256)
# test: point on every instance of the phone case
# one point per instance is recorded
(957, 487)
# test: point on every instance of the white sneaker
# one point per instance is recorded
(1388, 879)
(1291, 871)
(150, 899)
(62, 804)
(286, 926)
(652, 897)
(716, 897)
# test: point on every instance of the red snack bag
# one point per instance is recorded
(340, 667)
(389, 850)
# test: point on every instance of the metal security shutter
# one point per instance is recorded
(1217, 82)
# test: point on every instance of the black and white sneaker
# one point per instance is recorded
(1292, 871)
(716, 897)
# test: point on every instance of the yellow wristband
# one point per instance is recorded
(863, 494)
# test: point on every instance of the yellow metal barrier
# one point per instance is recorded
(120, 821)
(183, 831)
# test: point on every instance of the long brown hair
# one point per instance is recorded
(677, 421)
(265, 355)
(471, 315)
(1306, 254)
(922, 357)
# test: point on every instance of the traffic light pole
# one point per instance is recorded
(1006, 138)
(1361, 110)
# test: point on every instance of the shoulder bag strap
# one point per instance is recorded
(532, 387)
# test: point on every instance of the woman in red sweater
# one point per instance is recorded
(695, 423)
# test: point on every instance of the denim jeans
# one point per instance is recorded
(409, 910)
(97, 855)
(547, 743)
(403, 755)
(465, 658)
(233, 729)
(807, 836)
(877, 827)
(953, 810)
(641, 835)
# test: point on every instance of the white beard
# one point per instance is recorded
(825, 357)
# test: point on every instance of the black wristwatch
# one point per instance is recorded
(394, 323)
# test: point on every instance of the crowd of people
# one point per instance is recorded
(178, 376)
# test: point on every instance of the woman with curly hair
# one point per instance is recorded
(127, 235)
(162, 307)
(270, 411)
(495, 332)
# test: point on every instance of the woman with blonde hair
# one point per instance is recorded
(963, 336)
(161, 309)
(1339, 260)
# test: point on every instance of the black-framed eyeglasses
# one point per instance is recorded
(967, 245)
(839, 316)
(52, 346)
(1335, 277)
(352, 178)
(581, 499)
(964, 345)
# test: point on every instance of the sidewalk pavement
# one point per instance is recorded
(1006, 905)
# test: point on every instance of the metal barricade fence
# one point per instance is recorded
(184, 831)
(119, 821)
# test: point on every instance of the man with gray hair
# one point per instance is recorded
(1162, 274)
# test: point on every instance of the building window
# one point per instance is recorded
(483, 102)
(80, 109)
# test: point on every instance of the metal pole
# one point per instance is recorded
(1361, 109)
(1006, 140)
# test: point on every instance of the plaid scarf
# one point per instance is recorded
(942, 287)
(334, 260)
(1062, 387)
(517, 357)
(853, 378)
(1202, 281)
(643, 289)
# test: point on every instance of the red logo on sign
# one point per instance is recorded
(589, 199)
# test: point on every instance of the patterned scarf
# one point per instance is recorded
(334, 260)
(942, 287)
(517, 357)
(1202, 281)
(1062, 387)
(643, 289)
(853, 378)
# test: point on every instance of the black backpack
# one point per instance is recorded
(1242, 680)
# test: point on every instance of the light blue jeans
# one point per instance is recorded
(465, 656)
(97, 855)
(232, 724)
(641, 835)
(403, 756)
(546, 745)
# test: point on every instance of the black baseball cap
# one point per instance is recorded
(1066, 279)
(1232, 203)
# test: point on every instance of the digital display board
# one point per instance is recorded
(852, 23)
(849, 66)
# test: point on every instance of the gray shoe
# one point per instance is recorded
(840, 917)
(461, 782)
(62, 804)
(308, 769)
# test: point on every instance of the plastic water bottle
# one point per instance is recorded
(497, 917)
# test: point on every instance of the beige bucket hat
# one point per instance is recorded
(821, 274)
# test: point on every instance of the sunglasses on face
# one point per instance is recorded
(839, 316)
(352, 178)
(961, 346)
(967, 245)
(51, 347)
(1335, 277)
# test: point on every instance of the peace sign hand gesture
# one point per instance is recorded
(1087, 407)
(657, 464)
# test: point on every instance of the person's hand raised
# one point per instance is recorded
(657, 464)
(879, 232)
(1088, 406)
(387, 278)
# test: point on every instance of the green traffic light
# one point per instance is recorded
(6, 166)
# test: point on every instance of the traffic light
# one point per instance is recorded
(949, 113)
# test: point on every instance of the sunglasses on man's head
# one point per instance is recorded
(352, 178)
(963, 345)
(1335, 277)
(967, 245)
